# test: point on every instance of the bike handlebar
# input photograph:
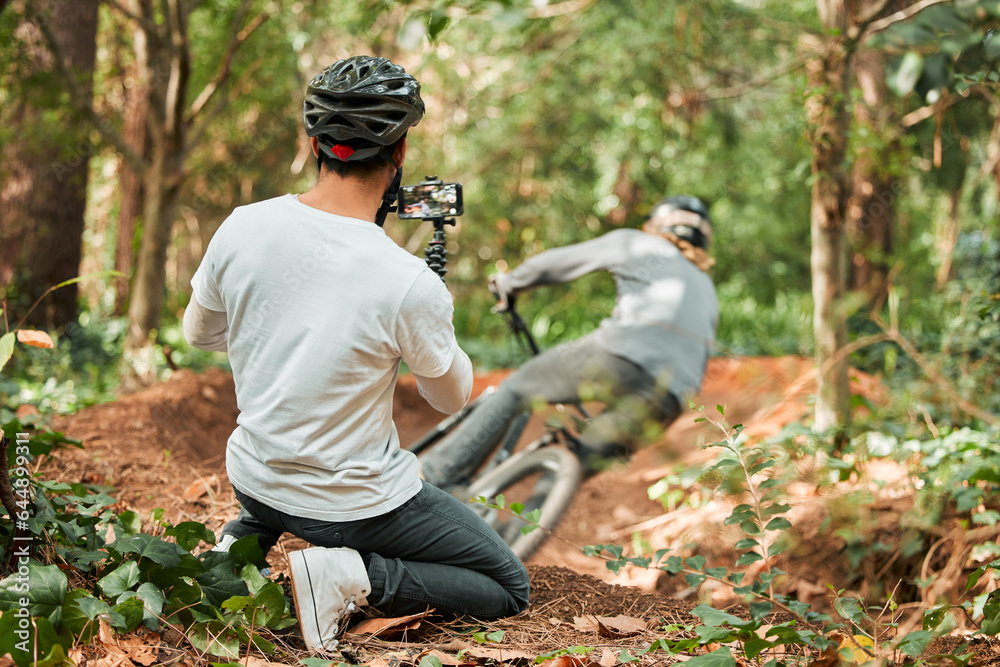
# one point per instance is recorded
(518, 327)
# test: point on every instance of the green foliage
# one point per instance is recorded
(131, 578)
(956, 474)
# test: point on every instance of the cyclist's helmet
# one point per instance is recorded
(360, 107)
(684, 216)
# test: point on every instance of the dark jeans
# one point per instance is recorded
(433, 551)
(580, 370)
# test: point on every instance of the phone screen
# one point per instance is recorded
(430, 200)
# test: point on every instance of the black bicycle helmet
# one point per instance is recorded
(684, 216)
(360, 107)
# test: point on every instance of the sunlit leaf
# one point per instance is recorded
(6, 348)
(35, 338)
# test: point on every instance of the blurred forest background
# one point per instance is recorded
(849, 151)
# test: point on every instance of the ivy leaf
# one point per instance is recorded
(153, 601)
(253, 578)
(80, 611)
(722, 657)
(216, 638)
(220, 582)
(695, 562)
(715, 617)
(755, 646)
(45, 588)
(270, 600)
(132, 609)
(41, 632)
(759, 610)
(155, 549)
(915, 643)
(189, 534)
(247, 550)
(122, 579)
(694, 580)
(709, 633)
(6, 348)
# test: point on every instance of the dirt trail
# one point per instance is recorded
(165, 447)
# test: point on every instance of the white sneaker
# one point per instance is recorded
(328, 585)
(224, 544)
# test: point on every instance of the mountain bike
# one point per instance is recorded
(537, 482)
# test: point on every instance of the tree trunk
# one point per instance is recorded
(829, 121)
(164, 177)
(871, 208)
(45, 171)
(948, 240)
(129, 181)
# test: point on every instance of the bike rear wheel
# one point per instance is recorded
(545, 479)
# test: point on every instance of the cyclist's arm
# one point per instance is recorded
(204, 328)
(448, 393)
(561, 265)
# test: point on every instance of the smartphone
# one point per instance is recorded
(429, 200)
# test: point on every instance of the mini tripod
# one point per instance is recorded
(436, 252)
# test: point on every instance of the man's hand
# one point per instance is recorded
(497, 284)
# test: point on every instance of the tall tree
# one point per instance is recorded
(164, 57)
(45, 181)
(875, 184)
(134, 134)
(846, 24)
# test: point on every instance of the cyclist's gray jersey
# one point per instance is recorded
(666, 313)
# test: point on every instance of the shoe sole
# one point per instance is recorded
(297, 559)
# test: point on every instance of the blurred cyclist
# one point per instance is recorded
(642, 362)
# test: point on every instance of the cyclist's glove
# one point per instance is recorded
(498, 287)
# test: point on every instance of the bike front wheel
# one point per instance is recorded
(545, 479)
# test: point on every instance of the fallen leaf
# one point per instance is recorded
(7, 661)
(390, 659)
(105, 634)
(253, 661)
(384, 627)
(445, 658)
(200, 487)
(615, 627)
(858, 649)
(830, 658)
(35, 338)
(566, 661)
(144, 650)
(608, 658)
